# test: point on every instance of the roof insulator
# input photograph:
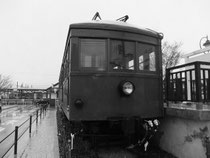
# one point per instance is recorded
(96, 16)
(124, 18)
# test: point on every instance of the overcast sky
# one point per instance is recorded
(33, 32)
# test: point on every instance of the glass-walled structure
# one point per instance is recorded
(189, 82)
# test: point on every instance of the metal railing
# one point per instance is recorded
(34, 117)
(188, 82)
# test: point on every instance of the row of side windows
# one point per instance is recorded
(122, 55)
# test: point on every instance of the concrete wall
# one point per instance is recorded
(184, 138)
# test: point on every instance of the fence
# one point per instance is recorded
(34, 117)
(188, 82)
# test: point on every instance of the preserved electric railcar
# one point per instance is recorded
(111, 75)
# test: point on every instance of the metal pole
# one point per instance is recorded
(30, 124)
(207, 147)
(16, 140)
(40, 113)
(46, 109)
(37, 113)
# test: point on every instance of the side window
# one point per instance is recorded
(146, 57)
(122, 55)
(93, 54)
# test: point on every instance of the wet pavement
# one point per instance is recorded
(12, 116)
(42, 142)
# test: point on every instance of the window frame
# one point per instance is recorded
(108, 67)
(110, 55)
(156, 59)
(92, 69)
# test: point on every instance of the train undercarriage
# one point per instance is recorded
(133, 133)
(108, 138)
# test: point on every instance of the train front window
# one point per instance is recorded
(93, 54)
(146, 57)
(122, 55)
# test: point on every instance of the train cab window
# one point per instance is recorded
(93, 54)
(122, 55)
(146, 57)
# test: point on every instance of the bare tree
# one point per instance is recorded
(5, 82)
(171, 55)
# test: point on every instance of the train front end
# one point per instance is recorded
(114, 72)
(111, 78)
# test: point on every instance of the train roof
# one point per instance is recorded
(116, 26)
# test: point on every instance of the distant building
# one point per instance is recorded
(23, 93)
(30, 93)
(52, 92)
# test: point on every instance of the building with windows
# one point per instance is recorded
(30, 93)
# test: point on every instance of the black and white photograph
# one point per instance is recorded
(104, 79)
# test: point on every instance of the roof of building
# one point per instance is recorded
(197, 52)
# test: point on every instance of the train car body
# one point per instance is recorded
(98, 57)
(111, 71)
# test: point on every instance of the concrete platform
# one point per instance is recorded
(44, 141)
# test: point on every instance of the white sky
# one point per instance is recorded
(33, 32)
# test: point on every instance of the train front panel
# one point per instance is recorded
(100, 97)
(113, 72)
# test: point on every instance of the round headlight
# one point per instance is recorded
(127, 88)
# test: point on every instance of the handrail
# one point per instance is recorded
(23, 123)
(7, 136)
(37, 113)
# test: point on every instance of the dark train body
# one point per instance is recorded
(111, 72)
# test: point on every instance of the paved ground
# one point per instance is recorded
(9, 118)
(5, 107)
(43, 142)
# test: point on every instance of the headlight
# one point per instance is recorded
(127, 88)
